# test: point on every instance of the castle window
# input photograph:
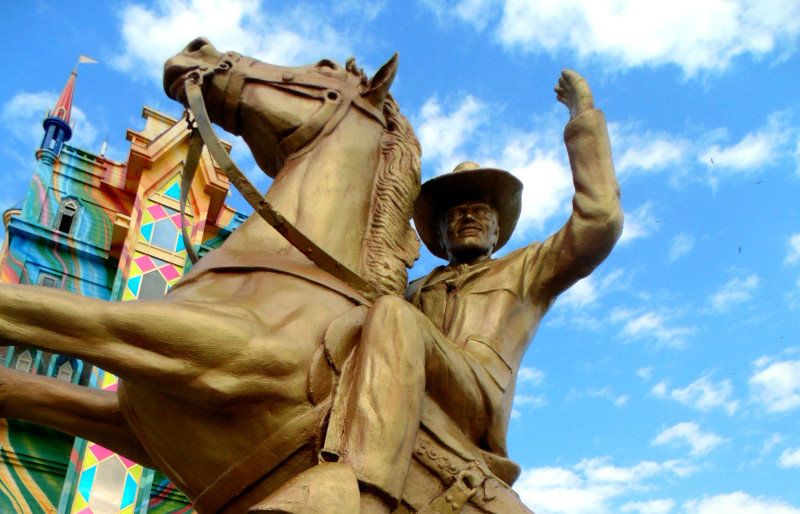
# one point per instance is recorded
(24, 362)
(153, 286)
(48, 280)
(65, 368)
(165, 234)
(65, 371)
(67, 212)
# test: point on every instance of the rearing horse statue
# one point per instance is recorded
(226, 384)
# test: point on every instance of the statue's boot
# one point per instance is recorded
(330, 487)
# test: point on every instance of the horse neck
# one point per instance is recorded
(326, 193)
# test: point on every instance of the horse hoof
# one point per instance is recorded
(330, 487)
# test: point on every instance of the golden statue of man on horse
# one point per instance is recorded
(293, 369)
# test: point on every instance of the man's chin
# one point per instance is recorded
(467, 251)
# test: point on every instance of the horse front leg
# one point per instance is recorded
(79, 411)
(173, 346)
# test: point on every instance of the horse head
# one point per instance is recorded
(299, 104)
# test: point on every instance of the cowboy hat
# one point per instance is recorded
(467, 182)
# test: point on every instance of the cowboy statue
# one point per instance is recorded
(461, 335)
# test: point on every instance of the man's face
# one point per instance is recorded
(469, 231)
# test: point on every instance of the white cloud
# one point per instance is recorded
(368, 11)
(793, 257)
(24, 113)
(737, 503)
(697, 35)
(651, 325)
(527, 401)
(702, 394)
(790, 458)
(682, 244)
(638, 223)
(475, 12)
(797, 156)
(605, 393)
(587, 290)
(450, 135)
(639, 151)
(443, 133)
(294, 35)
(660, 389)
(659, 154)
(589, 487)
(776, 385)
(689, 433)
(750, 153)
(530, 375)
(557, 490)
(547, 180)
(736, 291)
(771, 442)
(579, 295)
(533, 401)
(753, 152)
(645, 373)
(598, 471)
(649, 507)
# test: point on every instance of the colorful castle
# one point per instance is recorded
(109, 230)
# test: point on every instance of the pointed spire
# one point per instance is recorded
(63, 108)
(57, 128)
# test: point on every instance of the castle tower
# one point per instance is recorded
(57, 129)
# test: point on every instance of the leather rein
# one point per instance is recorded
(336, 101)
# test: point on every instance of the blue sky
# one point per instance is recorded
(668, 381)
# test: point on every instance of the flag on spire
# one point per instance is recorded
(83, 58)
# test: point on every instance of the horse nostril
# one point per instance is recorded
(197, 44)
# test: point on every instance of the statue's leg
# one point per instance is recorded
(401, 356)
(80, 411)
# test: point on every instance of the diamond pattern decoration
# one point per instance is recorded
(108, 482)
(160, 224)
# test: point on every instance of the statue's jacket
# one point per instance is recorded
(492, 309)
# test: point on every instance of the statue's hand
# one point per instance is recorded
(573, 91)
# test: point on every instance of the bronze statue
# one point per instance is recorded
(261, 383)
(461, 338)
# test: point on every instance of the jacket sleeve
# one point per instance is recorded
(596, 220)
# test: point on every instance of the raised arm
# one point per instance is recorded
(596, 221)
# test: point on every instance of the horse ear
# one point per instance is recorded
(380, 83)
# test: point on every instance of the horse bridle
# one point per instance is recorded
(336, 102)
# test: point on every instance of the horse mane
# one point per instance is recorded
(390, 244)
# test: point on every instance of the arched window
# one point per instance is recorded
(65, 372)
(65, 368)
(24, 361)
(67, 213)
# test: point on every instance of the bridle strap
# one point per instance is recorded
(327, 117)
(260, 204)
(192, 160)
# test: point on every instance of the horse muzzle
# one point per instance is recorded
(198, 59)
